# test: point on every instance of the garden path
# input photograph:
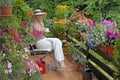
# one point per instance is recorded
(69, 72)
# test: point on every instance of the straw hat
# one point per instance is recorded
(38, 12)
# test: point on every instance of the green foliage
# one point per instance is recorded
(49, 5)
(103, 9)
(117, 59)
(11, 22)
(21, 10)
(6, 2)
(58, 29)
(61, 13)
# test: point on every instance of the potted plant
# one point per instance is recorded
(6, 7)
(59, 29)
(80, 62)
(103, 34)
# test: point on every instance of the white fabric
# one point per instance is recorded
(49, 44)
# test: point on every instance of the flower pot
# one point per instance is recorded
(107, 49)
(79, 68)
(6, 10)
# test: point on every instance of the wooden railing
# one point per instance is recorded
(107, 72)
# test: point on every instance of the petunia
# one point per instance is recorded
(114, 23)
(108, 23)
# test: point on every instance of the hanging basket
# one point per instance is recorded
(6, 11)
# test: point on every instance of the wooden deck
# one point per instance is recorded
(69, 72)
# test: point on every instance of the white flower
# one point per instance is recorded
(9, 65)
(10, 70)
(3, 55)
(26, 50)
(25, 56)
(6, 71)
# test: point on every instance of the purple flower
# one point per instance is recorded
(112, 34)
(114, 23)
(91, 25)
(108, 23)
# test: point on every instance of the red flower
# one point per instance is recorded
(16, 39)
(25, 24)
(20, 34)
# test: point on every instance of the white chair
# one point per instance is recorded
(44, 47)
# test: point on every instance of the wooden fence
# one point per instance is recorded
(107, 72)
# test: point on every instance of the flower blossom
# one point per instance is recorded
(33, 67)
(16, 39)
(110, 23)
(9, 68)
(36, 33)
(112, 33)
(1, 32)
(20, 34)
(25, 56)
(25, 24)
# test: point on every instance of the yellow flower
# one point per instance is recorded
(60, 21)
(62, 7)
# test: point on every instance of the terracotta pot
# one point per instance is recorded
(80, 67)
(6, 11)
(107, 49)
(61, 36)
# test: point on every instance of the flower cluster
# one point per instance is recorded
(14, 60)
(104, 33)
(33, 67)
(61, 11)
(36, 33)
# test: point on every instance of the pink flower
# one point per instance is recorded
(1, 32)
(12, 31)
(21, 34)
(5, 49)
(36, 33)
(25, 23)
(33, 67)
(91, 25)
(112, 34)
(16, 39)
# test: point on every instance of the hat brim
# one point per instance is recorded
(40, 14)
